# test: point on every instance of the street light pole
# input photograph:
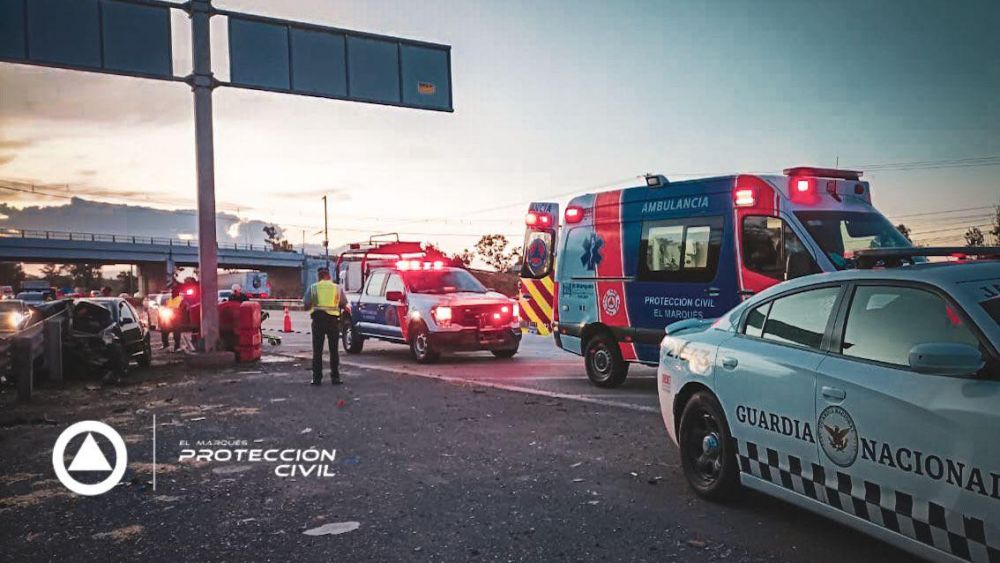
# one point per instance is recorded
(202, 83)
(326, 235)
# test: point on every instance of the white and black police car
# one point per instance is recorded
(871, 396)
(433, 308)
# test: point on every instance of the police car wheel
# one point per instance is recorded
(605, 366)
(420, 346)
(707, 455)
(146, 359)
(353, 342)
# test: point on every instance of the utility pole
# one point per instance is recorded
(326, 235)
(202, 83)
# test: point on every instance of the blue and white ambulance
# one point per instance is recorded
(628, 262)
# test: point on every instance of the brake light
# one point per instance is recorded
(531, 219)
(745, 197)
(574, 214)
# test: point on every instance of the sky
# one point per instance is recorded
(552, 98)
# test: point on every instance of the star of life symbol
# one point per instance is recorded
(611, 302)
(592, 251)
(89, 458)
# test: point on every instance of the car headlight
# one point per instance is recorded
(15, 319)
(442, 315)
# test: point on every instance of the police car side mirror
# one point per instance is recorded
(946, 358)
(395, 296)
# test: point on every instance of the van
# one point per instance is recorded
(625, 263)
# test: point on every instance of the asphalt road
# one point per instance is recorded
(437, 470)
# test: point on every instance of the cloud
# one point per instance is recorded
(5, 158)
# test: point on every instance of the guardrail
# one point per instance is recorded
(21, 351)
(127, 239)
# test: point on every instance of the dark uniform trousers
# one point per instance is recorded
(325, 327)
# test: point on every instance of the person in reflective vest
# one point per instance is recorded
(325, 301)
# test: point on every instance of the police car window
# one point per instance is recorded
(374, 286)
(683, 251)
(800, 318)
(395, 284)
(885, 322)
(771, 248)
(755, 320)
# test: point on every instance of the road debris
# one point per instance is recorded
(333, 529)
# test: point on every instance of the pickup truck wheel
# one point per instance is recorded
(504, 354)
(352, 340)
(708, 455)
(605, 366)
(420, 346)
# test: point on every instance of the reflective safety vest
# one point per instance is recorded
(325, 296)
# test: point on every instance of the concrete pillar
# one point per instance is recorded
(153, 277)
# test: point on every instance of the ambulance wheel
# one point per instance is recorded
(708, 455)
(353, 342)
(605, 366)
(420, 345)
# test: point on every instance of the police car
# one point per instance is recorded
(433, 308)
(871, 396)
(626, 263)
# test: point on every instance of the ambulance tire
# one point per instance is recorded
(353, 342)
(420, 345)
(605, 365)
(708, 455)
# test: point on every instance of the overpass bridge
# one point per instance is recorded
(289, 271)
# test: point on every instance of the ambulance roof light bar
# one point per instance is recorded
(823, 172)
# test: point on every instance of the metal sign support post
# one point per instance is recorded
(202, 83)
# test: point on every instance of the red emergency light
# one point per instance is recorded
(415, 265)
(574, 214)
(189, 291)
(533, 219)
(744, 197)
(803, 185)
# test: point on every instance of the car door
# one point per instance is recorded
(131, 330)
(912, 452)
(367, 311)
(392, 312)
(766, 379)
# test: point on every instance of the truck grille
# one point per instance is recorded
(480, 316)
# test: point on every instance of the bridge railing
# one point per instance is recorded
(126, 239)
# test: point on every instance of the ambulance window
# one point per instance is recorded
(771, 248)
(801, 318)
(681, 251)
(537, 254)
(885, 322)
(375, 284)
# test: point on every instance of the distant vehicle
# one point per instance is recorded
(254, 284)
(6, 292)
(224, 295)
(95, 293)
(153, 305)
(40, 286)
(628, 262)
(869, 396)
(106, 333)
(14, 315)
(32, 297)
(433, 308)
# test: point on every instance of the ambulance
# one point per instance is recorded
(623, 264)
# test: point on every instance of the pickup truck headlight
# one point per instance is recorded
(442, 315)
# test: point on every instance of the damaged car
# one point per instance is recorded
(105, 334)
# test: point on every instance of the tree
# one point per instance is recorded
(126, 281)
(85, 275)
(493, 250)
(52, 272)
(12, 274)
(276, 238)
(904, 230)
(465, 257)
(995, 231)
(974, 237)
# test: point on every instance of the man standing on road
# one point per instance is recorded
(324, 300)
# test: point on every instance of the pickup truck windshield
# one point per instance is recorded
(443, 281)
(842, 233)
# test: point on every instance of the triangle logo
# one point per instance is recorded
(89, 457)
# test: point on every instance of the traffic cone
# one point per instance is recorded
(288, 322)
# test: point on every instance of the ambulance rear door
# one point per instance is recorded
(537, 285)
